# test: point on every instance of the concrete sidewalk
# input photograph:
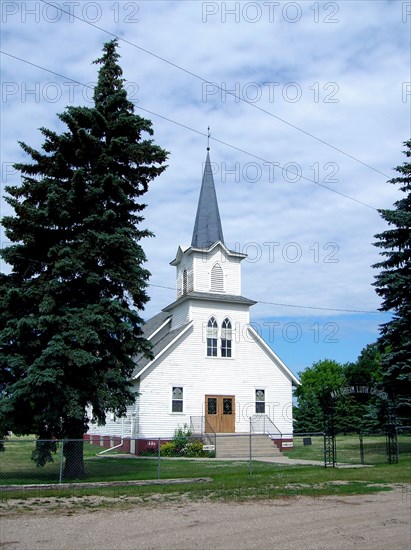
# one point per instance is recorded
(285, 460)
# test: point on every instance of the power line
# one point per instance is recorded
(174, 289)
(262, 159)
(198, 132)
(216, 140)
(342, 310)
(204, 80)
(322, 308)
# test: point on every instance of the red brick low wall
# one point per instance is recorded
(279, 443)
(140, 445)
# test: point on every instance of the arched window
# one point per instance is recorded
(185, 281)
(212, 336)
(217, 278)
(226, 338)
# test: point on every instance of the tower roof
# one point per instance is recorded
(207, 226)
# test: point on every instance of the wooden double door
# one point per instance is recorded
(220, 413)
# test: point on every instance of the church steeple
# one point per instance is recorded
(207, 268)
(207, 227)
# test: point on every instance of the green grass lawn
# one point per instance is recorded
(315, 451)
(348, 449)
(231, 479)
(16, 466)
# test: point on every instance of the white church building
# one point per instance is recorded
(210, 371)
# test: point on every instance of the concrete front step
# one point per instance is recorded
(238, 446)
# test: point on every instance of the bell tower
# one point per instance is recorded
(208, 266)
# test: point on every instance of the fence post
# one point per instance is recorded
(61, 462)
(361, 449)
(397, 450)
(159, 460)
(251, 452)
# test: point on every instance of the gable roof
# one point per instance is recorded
(187, 250)
(155, 324)
(274, 356)
(207, 226)
(161, 341)
(162, 338)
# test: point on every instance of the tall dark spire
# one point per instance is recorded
(207, 227)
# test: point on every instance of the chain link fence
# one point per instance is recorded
(306, 446)
(404, 441)
(105, 459)
(92, 462)
(361, 448)
(33, 461)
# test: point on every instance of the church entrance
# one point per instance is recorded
(220, 413)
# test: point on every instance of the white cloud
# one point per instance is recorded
(358, 62)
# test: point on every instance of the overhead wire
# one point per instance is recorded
(200, 133)
(238, 98)
(263, 302)
(204, 80)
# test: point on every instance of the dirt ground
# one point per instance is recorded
(378, 521)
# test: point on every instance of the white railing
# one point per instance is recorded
(197, 425)
(261, 423)
(200, 426)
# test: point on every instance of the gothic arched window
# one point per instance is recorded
(212, 337)
(226, 338)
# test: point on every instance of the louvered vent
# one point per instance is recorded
(217, 278)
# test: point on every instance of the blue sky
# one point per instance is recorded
(308, 104)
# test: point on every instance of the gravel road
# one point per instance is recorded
(378, 521)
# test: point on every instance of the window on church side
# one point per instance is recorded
(226, 338)
(260, 401)
(177, 399)
(212, 337)
(217, 278)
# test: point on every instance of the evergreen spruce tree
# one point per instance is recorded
(69, 309)
(366, 371)
(393, 284)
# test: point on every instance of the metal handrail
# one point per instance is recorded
(197, 424)
(200, 425)
(210, 434)
(268, 426)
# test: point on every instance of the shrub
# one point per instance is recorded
(168, 449)
(181, 445)
(194, 449)
(181, 437)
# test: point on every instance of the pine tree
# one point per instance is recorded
(366, 371)
(69, 310)
(393, 284)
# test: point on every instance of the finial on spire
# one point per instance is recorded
(208, 138)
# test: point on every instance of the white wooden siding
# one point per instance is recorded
(181, 315)
(122, 426)
(202, 266)
(188, 366)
